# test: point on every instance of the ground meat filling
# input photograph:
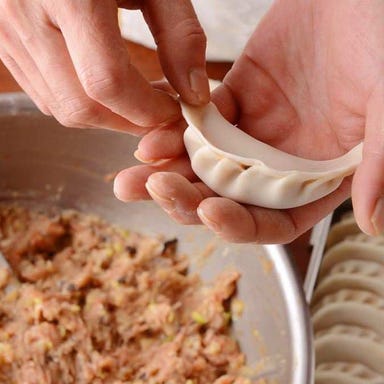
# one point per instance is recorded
(93, 303)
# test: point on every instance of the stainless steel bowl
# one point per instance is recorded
(44, 163)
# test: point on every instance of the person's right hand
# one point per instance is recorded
(70, 58)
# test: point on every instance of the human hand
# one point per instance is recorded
(310, 82)
(70, 58)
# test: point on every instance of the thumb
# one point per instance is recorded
(368, 182)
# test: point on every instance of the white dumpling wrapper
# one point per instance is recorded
(236, 165)
(350, 250)
(351, 307)
(335, 282)
(341, 230)
(346, 373)
(349, 348)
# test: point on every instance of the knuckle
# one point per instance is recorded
(77, 112)
(5, 35)
(26, 18)
(27, 38)
(185, 30)
(191, 29)
(84, 115)
(101, 84)
(8, 61)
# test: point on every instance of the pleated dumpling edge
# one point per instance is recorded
(237, 166)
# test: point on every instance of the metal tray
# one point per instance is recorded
(44, 163)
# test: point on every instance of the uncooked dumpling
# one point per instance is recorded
(346, 373)
(352, 348)
(358, 267)
(344, 281)
(341, 230)
(236, 165)
(351, 274)
(350, 307)
(351, 250)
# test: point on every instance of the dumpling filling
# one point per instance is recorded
(87, 302)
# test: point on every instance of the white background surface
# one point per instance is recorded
(227, 24)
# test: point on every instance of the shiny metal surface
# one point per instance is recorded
(44, 163)
(318, 239)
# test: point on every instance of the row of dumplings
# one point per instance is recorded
(348, 308)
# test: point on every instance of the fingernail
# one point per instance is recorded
(116, 190)
(216, 227)
(198, 81)
(138, 157)
(377, 218)
(166, 202)
(119, 191)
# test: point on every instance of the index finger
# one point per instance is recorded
(103, 66)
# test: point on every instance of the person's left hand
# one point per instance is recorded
(70, 58)
(309, 82)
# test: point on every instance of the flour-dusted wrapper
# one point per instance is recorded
(236, 165)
